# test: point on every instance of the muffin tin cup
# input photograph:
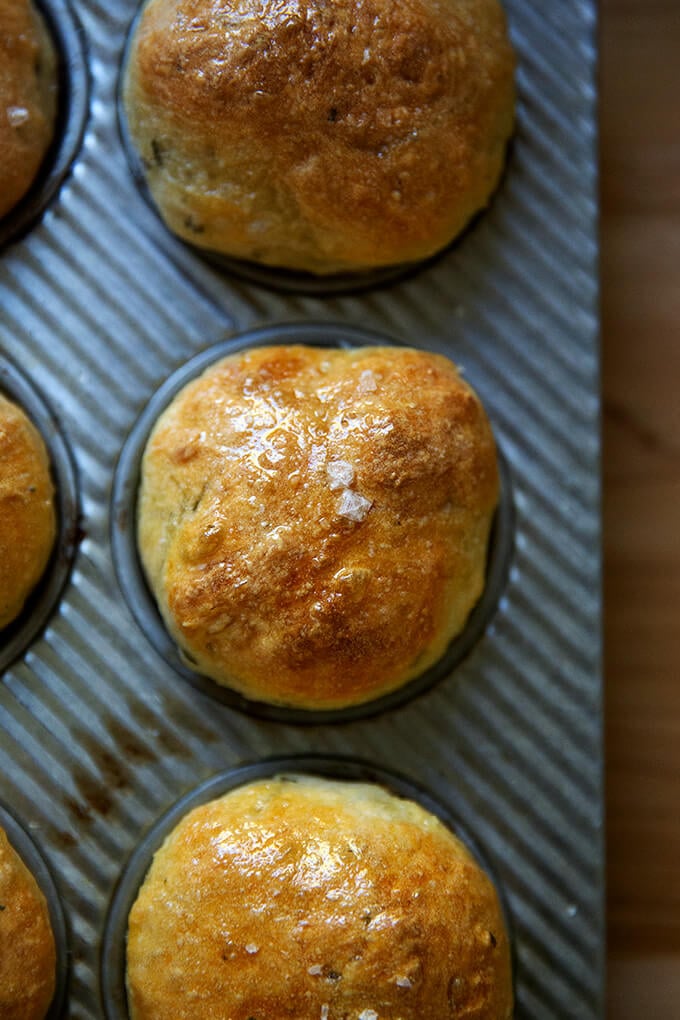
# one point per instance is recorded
(29, 853)
(135, 589)
(72, 108)
(275, 278)
(346, 769)
(18, 635)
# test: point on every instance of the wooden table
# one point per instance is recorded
(640, 161)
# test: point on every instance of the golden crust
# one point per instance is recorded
(321, 137)
(27, 950)
(311, 898)
(27, 514)
(28, 98)
(314, 522)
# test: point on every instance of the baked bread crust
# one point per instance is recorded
(311, 898)
(27, 514)
(27, 949)
(314, 522)
(28, 98)
(316, 136)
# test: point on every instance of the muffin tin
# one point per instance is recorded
(285, 281)
(142, 603)
(348, 770)
(99, 305)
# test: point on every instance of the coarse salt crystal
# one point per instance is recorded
(340, 474)
(353, 505)
(252, 948)
(219, 624)
(315, 969)
(17, 115)
(368, 1014)
(404, 982)
(367, 381)
(324, 1012)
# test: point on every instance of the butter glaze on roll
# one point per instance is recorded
(314, 522)
(321, 136)
(28, 98)
(316, 899)
(27, 949)
(27, 515)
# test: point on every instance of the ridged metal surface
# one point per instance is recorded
(98, 304)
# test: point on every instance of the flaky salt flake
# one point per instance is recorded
(252, 948)
(368, 1014)
(353, 505)
(315, 969)
(367, 381)
(404, 982)
(219, 624)
(340, 474)
(17, 115)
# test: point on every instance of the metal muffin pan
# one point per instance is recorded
(350, 770)
(143, 605)
(99, 305)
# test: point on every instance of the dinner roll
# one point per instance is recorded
(315, 899)
(313, 522)
(28, 98)
(27, 949)
(321, 136)
(27, 513)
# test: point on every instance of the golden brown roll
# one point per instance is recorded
(28, 98)
(321, 136)
(308, 898)
(314, 522)
(27, 513)
(27, 949)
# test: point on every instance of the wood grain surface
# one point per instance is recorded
(640, 232)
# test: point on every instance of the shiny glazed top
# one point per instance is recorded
(321, 136)
(27, 949)
(306, 898)
(27, 514)
(314, 522)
